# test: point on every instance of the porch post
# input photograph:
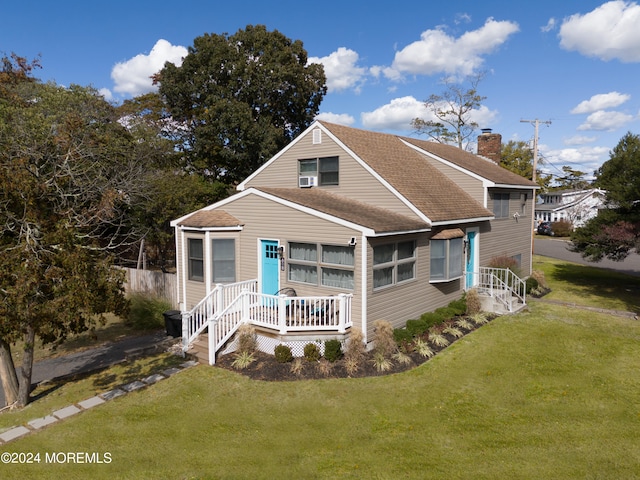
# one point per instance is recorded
(185, 331)
(244, 305)
(282, 314)
(213, 324)
(342, 312)
(219, 304)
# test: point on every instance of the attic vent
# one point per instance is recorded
(317, 136)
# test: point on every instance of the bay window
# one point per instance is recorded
(446, 259)
(334, 267)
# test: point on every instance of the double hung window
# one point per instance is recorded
(223, 254)
(501, 205)
(196, 259)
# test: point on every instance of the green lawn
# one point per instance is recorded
(552, 392)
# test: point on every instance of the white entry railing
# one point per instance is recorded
(501, 284)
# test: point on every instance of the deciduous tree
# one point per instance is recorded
(67, 183)
(615, 232)
(240, 99)
(518, 158)
(452, 112)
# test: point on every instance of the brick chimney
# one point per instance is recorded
(490, 145)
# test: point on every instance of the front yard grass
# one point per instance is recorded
(552, 392)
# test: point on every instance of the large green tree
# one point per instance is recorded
(615, 232)
(67, 183)
(240, 99)
(170, 190)
(517, 157)
(452, 121)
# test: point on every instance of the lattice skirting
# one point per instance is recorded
(268, 345)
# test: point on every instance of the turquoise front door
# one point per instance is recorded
(270, 267)
(471, 255)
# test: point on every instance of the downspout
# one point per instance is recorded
(364, 267)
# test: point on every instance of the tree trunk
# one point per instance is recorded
(27, 367)
(8, 374)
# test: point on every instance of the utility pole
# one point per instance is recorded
(536, 123)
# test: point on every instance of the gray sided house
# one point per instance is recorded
(344, 227)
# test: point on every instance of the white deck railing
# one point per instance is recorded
(222, 314)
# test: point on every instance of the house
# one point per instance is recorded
(575, 206)
(346, 226)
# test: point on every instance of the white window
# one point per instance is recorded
(224, 260)
(446, 259)
(196, 259)
(334, 267)
(325, 169)
(393, 263)
(501, 205)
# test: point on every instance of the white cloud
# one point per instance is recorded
(601, 102)
(605, 120)
(586, 159)
(395, 115)
(579, 140)
(608, 32)
(339, 118)
(341, 69)
(551, 25)
(399, 112)
(133, 77)
(438, 52)
(106, 93)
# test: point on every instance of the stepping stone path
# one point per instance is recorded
(59, 415)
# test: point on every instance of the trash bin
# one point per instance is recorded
(173, 323)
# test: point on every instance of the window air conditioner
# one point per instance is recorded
(307, 181)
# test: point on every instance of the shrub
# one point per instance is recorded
(562, 228)
(402, 335)
(432, 319)
(474, 305)
(446, 313)
(311, 352)
(145, 312)
(247, 340)
(459, 306)
(504, 261)
(332, 350)
(384, 344)
(415, 328)
(324, 367)
(283, 353)
(531, 284)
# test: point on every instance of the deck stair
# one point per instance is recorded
(501, 291)
(199, 349)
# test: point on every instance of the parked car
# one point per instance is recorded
(545, 228)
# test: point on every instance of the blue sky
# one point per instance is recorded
(574, 63)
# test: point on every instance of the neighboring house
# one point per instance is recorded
(349, 226)
(575, 206)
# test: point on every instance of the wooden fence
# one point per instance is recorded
(160, 284)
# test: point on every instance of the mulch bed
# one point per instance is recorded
(266, 368)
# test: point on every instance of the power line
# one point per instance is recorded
(536, 123)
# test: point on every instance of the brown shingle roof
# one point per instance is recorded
(473, 163)
(211, 219)
(410, 174)
(378, 219)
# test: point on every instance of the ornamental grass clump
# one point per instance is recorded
(474, 305)
(247, 338)
(355, 352)
(243, 360)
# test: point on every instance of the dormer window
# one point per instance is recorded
(321, 171)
